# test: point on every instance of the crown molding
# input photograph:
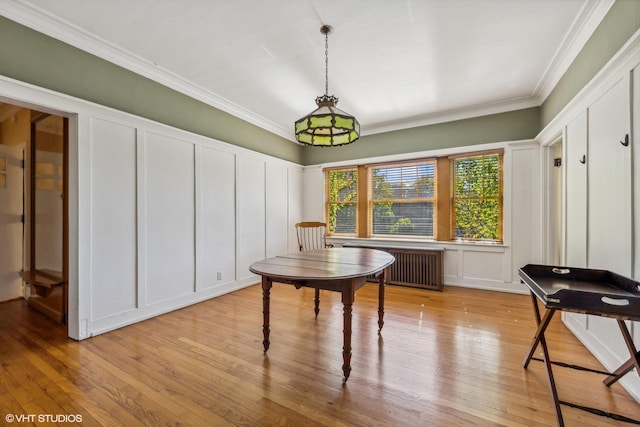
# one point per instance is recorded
(26, 14)
(581, 30)
(618, 67)
(455, 114)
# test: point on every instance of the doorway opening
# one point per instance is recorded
(34, 209)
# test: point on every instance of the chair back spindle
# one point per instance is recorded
(312, 235)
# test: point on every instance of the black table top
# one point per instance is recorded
(591, 291)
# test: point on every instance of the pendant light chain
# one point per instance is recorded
(327, 126)
(326, 63)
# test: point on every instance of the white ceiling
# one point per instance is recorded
(393, 63)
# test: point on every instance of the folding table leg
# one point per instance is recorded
(539, 339)
(542, 326)
(633, 362)
(552, 383)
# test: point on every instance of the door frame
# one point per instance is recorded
(32, 159)
(14, 174)
(550, 241)
(28, 96)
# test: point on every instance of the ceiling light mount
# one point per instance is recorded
(327, 126)
(326, 29)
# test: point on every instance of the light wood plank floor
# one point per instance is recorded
(451, 358)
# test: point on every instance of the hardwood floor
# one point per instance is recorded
(451, 358)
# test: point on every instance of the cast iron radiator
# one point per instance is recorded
(420, 268)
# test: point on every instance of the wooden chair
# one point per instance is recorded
(312, 235)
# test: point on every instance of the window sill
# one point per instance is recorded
(418, 244)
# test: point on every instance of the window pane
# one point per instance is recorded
(404, 182)
(343, 185)
(477, 197)
(408, 219)
(477, 219)
(477, 176)
(343, 219)
(342, 196)
(403, 199)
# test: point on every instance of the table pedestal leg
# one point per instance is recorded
(266, 297)
(316, 301)
(383, 277)
(347, 301)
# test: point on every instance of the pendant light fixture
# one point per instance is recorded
(327, 126)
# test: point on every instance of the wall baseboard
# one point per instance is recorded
(119, 320)
(486, 285)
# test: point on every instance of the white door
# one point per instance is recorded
(11, 210)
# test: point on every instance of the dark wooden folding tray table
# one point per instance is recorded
(590, 291)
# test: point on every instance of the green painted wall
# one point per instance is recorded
(35, 58)
(32, 57)
(510, 126)
(43, 61)
(620, 23)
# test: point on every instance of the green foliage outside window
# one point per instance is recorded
(477, 199)
(342, 197)
(402, 199)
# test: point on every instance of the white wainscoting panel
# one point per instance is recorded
(610, 238)
(576, 191)
(600, 118)
(217, 230)
(525, 202)
(150, 204)
(113, 219)
(296, 199)
(485, 266)
(576, 203)
(276, 210)
(601, 350)
(313, 206)
(635, 143)
(606, 330)
(250, 214)
(450, 261)
(170, 217)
